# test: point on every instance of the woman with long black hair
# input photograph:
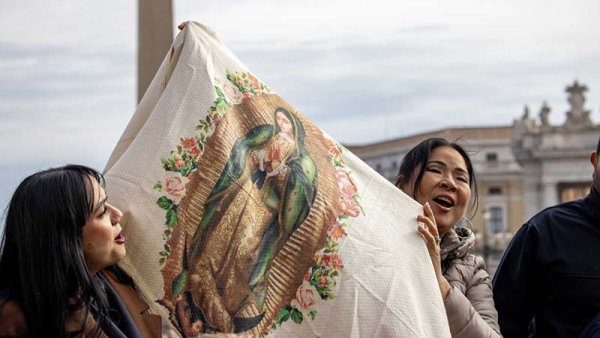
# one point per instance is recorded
(439, 175)
(58, 274)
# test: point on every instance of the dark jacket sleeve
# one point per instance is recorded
(515, 281)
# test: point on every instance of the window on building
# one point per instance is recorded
(496, 222)
(495, 191)
(491, 160)
(573, 191)
(395, 165)
(491, 157)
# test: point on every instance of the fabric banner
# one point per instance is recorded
(243, 217)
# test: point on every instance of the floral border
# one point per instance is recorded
(320, 279)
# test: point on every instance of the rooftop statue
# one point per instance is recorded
(544, 113)
(577, 116)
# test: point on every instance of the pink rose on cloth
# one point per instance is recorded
(349, 206)
(179, 162)
(337, 232)
(232, 93)
(174, 185)
(306, 297)
(345, 183)
(323, 281)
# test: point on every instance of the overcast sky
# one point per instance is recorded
(364, 71)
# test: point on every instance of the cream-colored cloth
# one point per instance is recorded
(242, 215)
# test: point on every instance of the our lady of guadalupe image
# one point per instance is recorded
(251, 222)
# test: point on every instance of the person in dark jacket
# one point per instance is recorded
(548, 282)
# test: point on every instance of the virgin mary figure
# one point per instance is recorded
(264, 193)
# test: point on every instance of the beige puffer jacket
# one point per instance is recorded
(470, 304)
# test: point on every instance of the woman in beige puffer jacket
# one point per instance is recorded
(469, 304)
(439, 174)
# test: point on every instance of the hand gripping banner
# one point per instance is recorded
(243, 218)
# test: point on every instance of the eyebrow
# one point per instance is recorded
(100, 203)
(444, 165)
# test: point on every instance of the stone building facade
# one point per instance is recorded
(555, 159)
(521, 168)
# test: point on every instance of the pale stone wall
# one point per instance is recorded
(553, 158)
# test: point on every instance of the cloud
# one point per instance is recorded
(109, 23)
(60, 101)
(355, 90)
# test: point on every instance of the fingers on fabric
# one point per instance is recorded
(429, 214)
(182, 25)
(428, 220)
(429, 238)
(429, 230)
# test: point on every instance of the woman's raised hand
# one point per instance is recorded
(430, 233)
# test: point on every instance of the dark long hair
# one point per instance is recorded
(420, 155)
(42, 267)
(297, 130)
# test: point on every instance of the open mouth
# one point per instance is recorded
(444, 201)
(120, 239)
